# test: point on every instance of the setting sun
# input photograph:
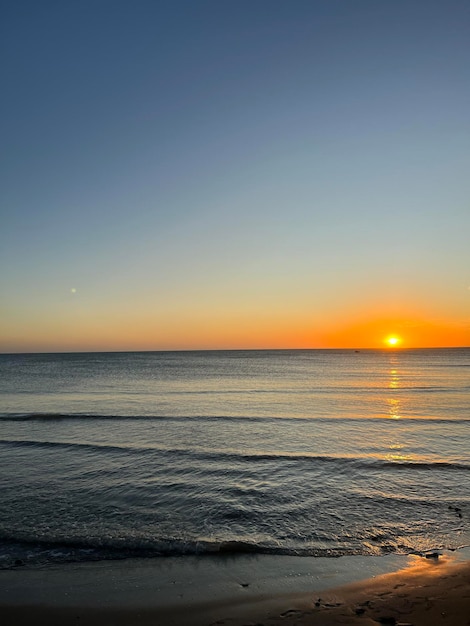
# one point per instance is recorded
(393, 341)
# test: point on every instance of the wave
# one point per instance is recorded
(341, 389)
(16, 551)
(230, 455)
(326, 390)
(34, 551)
(52, 417)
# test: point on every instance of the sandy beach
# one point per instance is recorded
(425, 592)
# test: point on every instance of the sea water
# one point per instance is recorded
(305, 452)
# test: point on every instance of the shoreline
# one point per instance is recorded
(242, 590)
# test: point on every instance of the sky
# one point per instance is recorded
(234, 174)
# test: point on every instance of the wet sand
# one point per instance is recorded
(426, 592)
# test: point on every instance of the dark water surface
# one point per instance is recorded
(317, 452)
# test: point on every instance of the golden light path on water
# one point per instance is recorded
(396, 446)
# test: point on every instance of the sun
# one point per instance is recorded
(393, 341)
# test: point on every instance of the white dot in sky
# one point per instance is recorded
(73, 290)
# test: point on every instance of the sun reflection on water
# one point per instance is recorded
(394, 408)
(396, 453)
(394, 383)
(395, 448)
(394, 379)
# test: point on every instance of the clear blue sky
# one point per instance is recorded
(195, 174)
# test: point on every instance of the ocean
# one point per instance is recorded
(304, 452)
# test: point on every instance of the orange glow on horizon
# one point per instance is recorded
(413, 331)
(227, 329)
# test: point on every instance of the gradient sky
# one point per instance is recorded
(234, 174)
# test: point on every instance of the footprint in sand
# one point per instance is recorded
(291, 613)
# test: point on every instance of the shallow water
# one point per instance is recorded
(319, 452)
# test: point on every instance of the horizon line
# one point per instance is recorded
(359, 349)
